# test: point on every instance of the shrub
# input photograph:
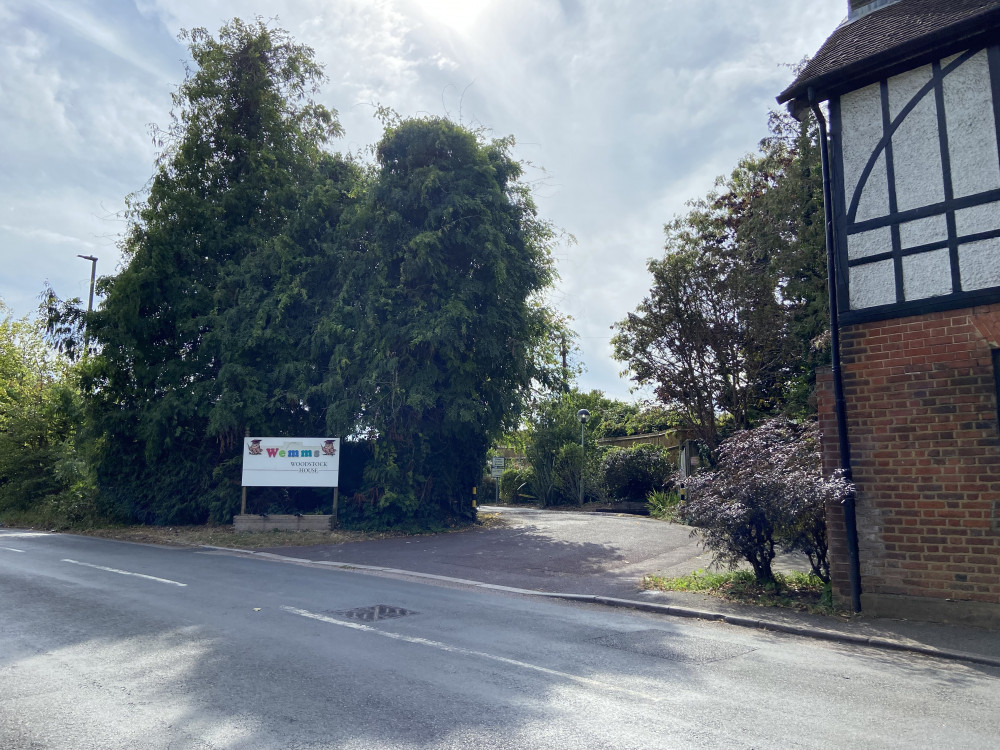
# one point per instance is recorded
(766, 492)
(515, 485)
(664, 504)
(632, 473)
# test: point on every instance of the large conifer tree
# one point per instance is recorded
(193, 332)
(450, 258)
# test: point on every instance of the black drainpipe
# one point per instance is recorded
(840, 405)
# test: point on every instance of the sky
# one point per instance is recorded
(623, 110)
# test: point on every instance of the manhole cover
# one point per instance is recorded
(664, 645)
(377, 612)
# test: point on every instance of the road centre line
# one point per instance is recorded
(12, 549)
(125, 572)
(22, 534)
(469, 652)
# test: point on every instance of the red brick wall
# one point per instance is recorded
(922, 419)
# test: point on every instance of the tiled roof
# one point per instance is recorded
(890, 35)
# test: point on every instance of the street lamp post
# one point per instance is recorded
(90, 302)
(583, 415)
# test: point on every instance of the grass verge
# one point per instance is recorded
(802, 592)
(226, 536)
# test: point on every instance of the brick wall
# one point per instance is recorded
(922, 417)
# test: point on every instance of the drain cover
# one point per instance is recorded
(376, 612)
(664, 645)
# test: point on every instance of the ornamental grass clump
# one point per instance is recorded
(766, 493)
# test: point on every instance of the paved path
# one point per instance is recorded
(541, 550)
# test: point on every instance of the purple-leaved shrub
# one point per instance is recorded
(767, 492)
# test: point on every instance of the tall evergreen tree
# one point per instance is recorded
(450, 255)
(190, 333)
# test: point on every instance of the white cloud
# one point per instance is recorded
(631, 107)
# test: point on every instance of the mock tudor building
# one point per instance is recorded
(912, 92)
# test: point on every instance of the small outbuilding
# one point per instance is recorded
(910, 92)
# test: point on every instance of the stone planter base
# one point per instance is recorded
(310, 522)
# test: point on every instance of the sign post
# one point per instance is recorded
(291, 462)
(497, 471)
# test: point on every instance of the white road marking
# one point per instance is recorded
(21, 534)
(469, 652)
(12, 549)
(125, 573)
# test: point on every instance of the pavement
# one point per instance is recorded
(601, 558)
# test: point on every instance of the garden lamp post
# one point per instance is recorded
(583, 415)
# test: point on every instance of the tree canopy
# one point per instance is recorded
(40, 413)
(274, 287)
(449, 255)
(725, 335)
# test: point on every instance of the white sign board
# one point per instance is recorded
(291, 462)
(496, 472)
(498, 462)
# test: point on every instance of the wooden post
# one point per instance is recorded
(336, 503)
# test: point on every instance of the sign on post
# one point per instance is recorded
(497, 467)
(291, 462)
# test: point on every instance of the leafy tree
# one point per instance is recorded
(784, 225)
(708, 338)
(551, 445)
(738, 300)
(42, 475)
(273, 287)
(196, 332)
(449, 257)
(623, 419)
(767, 492)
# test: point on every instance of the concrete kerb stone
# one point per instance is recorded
(652, 607)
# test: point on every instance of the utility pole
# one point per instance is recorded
(583, 415)
(565, 365)
(90, 302)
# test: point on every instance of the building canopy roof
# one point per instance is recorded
(903, 34)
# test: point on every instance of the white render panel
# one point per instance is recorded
(923, 231)
(861, 129)
(916, 149)
(979, 264)
(872, 284)
(926, 275)
(972, 142)
(984, 218)
(904, 87)
(873, 242)
(874, 203)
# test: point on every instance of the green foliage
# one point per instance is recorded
(450, 257)
(552, 445)
(767, 491)
(44, 479)
(622, 419)
(516, 486)
(739, 299)
(206, 333)
(273, 288)
(632, 473)
(664, 505)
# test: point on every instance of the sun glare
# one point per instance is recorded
(460, 15)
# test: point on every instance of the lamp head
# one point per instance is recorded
(583, 415)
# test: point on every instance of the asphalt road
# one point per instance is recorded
(114, 645)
